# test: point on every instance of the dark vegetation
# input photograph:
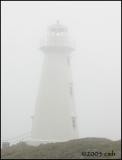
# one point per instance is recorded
(66, 150)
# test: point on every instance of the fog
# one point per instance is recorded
(96, 29)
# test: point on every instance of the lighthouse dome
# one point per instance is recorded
(57, 28)
(57, 39)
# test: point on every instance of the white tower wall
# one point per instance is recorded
(55, 118)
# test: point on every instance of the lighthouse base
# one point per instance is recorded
(37, 142)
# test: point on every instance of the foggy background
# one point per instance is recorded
(95, 26)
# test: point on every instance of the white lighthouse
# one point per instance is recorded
(55, 118)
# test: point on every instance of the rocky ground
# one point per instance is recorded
(86, 148)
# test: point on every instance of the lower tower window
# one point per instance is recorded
(74, 122)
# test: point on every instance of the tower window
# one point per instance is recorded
(70, 88)
(74, 122)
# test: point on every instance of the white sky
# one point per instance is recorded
(96, 28)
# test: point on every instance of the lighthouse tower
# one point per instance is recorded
(55, 118)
